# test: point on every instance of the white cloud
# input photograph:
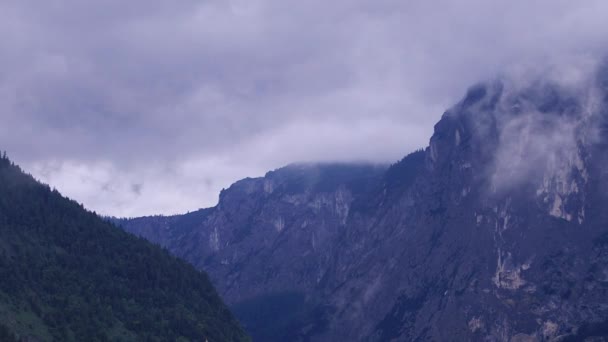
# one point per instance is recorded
(245, 86)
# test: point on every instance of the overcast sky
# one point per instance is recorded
(146, 106)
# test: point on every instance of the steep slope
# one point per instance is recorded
(500, 238)
(67, 275)
(497, 231)
(268, 241)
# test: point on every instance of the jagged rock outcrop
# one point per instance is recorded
(497, 231)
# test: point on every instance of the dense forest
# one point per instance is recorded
(67, 275)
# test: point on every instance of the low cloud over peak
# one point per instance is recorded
(163, 103)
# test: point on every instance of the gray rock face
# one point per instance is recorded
(269, 242)
(496, 232)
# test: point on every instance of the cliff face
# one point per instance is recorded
(503, 239)
(269, 242)
(497, 231)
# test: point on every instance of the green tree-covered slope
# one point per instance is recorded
(67, 275)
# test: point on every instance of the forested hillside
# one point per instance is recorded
(67, 275)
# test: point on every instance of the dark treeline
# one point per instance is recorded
(66, 274)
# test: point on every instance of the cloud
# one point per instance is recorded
(546, 123)
(186, 97)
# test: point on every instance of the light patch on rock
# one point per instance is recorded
(279, 224)
(507, 276)
(557, 209)
(581, 215)
(523, 338)
(502, 218)
(268, 186)
(433, 151)
(320, 275)
(295, 199)
(321, 201)
(316, 204)
(560, 182)
(530, 288)
(549, 329)
(466, 191)
(457, 137)
(372, 289)
(214, 240)
(475, 324)
(342, 204)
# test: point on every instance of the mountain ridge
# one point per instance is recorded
(68, 275)
(494, 232)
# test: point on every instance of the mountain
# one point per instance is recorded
(67, 275)
(497, 231)
(266, 240)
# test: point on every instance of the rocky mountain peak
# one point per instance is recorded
(535, 137)
(496, 231)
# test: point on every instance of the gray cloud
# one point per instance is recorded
(186, 97)
(542, 119)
